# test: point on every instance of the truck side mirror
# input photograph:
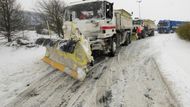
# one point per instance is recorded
(109, 10)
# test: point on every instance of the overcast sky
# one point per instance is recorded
(152, 9)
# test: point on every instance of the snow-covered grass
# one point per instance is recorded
(2, 39)
(173, 58)
(32, 35)
(183, 31)
(25, 37)
(20, 66)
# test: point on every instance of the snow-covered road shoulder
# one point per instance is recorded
(18, 68)
(172, 57)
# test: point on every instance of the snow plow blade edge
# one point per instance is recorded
(61, 67)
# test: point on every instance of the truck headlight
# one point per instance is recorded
(103, 31)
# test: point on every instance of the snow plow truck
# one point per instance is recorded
(88, 26)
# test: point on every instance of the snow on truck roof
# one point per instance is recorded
(123, 10)
(83, 2)
(90, 1)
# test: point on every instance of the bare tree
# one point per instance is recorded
(53, 13)
(11, 17)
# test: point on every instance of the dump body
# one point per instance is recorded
(149, 23)
(123, 19)
(149, 27)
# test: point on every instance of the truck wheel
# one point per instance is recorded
(126, 43)
(142, 35)
(113, 47)
(130, 38)
(152, 33)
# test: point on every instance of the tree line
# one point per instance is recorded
(12, 17)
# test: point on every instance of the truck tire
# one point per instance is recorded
(126, 43)
(130, 34)
(143, 34)
(113, 47)
(152, 33)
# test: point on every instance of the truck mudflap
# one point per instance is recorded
(71, 56)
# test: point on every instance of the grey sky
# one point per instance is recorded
(152, 9)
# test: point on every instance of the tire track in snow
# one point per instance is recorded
(70, 98)
(49, 88)
(144, 86)
(92, 89)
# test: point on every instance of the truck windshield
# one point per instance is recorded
(85, 11)
(137, 22)
(163, 24)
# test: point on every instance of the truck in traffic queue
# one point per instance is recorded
(89, 26)
(106, 28)
(149, 27)
(168, 26)
(146, 25)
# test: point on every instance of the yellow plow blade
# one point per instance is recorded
(70, 55)
(60, 67)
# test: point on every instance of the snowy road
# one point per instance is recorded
(139, 83)
(131, 79)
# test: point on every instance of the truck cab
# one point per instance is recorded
(168, 26)
(164, 26)
(96, 21)
(139, 23)
(148, 26)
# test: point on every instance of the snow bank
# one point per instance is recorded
(18, 68)
(25, 38)
(2, 39)
(33, 36)
(173, 58)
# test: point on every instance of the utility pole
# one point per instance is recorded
(139, 1)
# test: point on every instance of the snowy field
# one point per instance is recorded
(132, 76)
(173, 58)
(19, 67)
